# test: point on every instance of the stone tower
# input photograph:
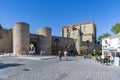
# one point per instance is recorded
(88, 30)
(78, 41)
(77, 44)
(45, 39)
(21, 38)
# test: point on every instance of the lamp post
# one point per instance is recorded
(94, 51)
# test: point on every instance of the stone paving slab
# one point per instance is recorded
(37, 57)
(11, 65)
(76, 68)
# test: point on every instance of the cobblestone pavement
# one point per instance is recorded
(76, 68)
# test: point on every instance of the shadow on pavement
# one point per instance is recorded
(2, 65)
(68, 60)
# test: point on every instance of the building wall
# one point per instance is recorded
(110, 45)
(87, 37)
(85, 31)
(6, 43)
(21, 38)
(88, 30)
(114, 42)
(45, 34)
(35, 40)
(105, 43)
(62, 44)
(43, 40)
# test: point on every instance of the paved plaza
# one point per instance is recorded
(50, 68)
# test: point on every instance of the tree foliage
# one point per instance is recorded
(104, 35)
(1, 27)
(57, 40)
(83, 48)
(69, 47)
(116, 28)
(75, 40)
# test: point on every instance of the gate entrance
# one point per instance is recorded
(33, 48)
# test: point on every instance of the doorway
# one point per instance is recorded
(34, 47)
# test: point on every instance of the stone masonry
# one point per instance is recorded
(18, 39)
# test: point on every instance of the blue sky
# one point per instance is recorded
(57, 13)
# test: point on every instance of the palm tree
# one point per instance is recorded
(57, 41)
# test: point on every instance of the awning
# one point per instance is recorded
(118, 50)
(110, 49)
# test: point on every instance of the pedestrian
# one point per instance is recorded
(41, 52)
(65, 55)
(60, 55)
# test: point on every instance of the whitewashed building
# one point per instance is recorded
(111, 46)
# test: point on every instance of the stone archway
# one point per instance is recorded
(35, 45)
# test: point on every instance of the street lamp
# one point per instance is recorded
(94, 52)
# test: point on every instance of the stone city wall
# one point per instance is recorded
(61, 44)
(21, 38)
(45, 34)
(6, 43)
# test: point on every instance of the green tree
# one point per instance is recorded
(83, 49)
(116, 28)
(75, 40)
(1, 27)
(104, 35)
(0, 31)
(99, 51)
(70, 48)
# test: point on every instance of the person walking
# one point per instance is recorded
(65, 55)
(60, 55)
(41, 53)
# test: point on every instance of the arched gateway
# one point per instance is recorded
(34, 44)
